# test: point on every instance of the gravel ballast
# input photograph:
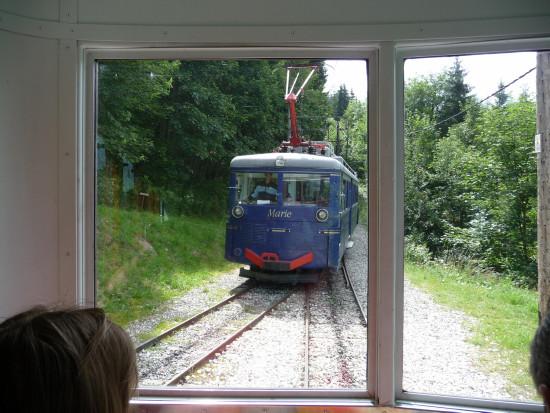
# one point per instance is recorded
(438, 357)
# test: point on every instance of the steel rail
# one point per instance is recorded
(307, 291)
(243, 288)
(350, 283)
(220, 347)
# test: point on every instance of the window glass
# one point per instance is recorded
(348, 194)
(470, 297)
(301, 189)
(174, 258)
(344, 193)
(257, 188)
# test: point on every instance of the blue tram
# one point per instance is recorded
(290, 214)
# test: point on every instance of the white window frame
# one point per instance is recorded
(386, 227)
(421, 400)
(87, 167)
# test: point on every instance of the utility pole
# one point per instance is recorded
(543, 174)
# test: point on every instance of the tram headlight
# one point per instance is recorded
(321, 215)
(237, 211)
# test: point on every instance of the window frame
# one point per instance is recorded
(277, 201)
(90, 56)
(385, 70)
(408, 399)
(324, 177)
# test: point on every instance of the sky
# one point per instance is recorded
(483, 72)
(351, 73)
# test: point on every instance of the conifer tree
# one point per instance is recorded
(454, 97)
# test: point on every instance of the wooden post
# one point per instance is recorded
(543, 175)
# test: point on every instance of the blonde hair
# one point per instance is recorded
(72, 360)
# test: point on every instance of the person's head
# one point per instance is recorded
(540, 360)
(61, 361)
(268, 177)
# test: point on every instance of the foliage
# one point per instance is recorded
(179, 124)
(363, 203)
(145, 261)
(453, 98)
(128, 100)
(505, 180)
(340, 101)
(313, 105)
(470, 181)
(470, 187)
(350, 136)
(501, 96)
(416, 253)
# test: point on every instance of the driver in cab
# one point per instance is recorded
(265, 191)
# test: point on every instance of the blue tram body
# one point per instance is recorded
(290, 214)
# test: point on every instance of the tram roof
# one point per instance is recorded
(291, 160)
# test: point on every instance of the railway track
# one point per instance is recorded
(169, 357)
(333, 315)
(190, 352)
(307, 294)
(180, 376)
(350, 284)
(167, 333)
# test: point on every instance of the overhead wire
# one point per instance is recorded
(476, 103)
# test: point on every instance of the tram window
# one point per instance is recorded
(343, 188)
(257, 188)
(348, 194)
(470, 226)
(306, 189)
(175, 223)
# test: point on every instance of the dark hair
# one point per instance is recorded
(57, 361)
(540, 354)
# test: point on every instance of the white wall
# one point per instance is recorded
(301, 13)
(28, 172)
(38, 92)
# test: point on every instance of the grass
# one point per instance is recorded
(363, 205)
(143, 262)
(507, 317)
(158, 329)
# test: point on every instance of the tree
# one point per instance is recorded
(470, 182)
(129, 100)
(340, 101)
(181, 123)
(313, 105)
(453, 98)
(509, 193)
(422, 221)
(355, 129)
(217, 110)
(501, 96)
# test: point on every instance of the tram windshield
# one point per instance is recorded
(257, 188)
(301, 189)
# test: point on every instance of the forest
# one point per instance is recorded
(470, 172)
(179, 124)
(470, 177)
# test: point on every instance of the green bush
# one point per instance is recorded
(143, 261)
(416, 252)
